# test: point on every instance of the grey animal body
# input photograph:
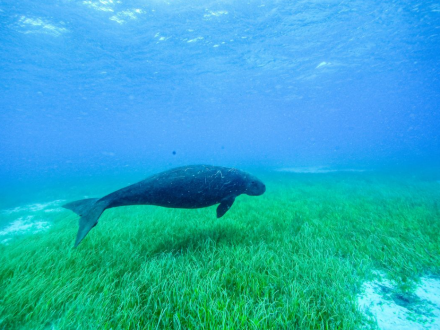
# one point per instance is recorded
(186, 187)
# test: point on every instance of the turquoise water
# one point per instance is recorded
(41, 201)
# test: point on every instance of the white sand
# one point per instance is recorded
(28, 221)
(21, 226)
(420, 310)
(316, 169)
(53, 206)
(24, 225)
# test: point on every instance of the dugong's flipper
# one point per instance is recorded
(224, 206)
(90, 210)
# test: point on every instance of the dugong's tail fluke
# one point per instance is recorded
(82, 206)
(90, 210)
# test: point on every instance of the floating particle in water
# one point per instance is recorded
(174, 152)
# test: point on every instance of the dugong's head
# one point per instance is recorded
(254, 187)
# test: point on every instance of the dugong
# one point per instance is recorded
(187, 187)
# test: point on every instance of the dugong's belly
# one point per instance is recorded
(184, 197)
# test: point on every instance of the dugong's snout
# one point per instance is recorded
(255, 187)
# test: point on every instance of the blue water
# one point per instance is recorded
(99, 89)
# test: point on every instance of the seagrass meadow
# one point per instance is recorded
(294, 258)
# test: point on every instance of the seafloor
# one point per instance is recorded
(319, 250)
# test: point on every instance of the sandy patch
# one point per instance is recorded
(23, 225)
(53, 206)
(316, 169)
(394, 310)
(28, 219)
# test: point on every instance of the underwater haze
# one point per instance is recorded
(333, 104)
(112, 86)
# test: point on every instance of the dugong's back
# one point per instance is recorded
(183, 187)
